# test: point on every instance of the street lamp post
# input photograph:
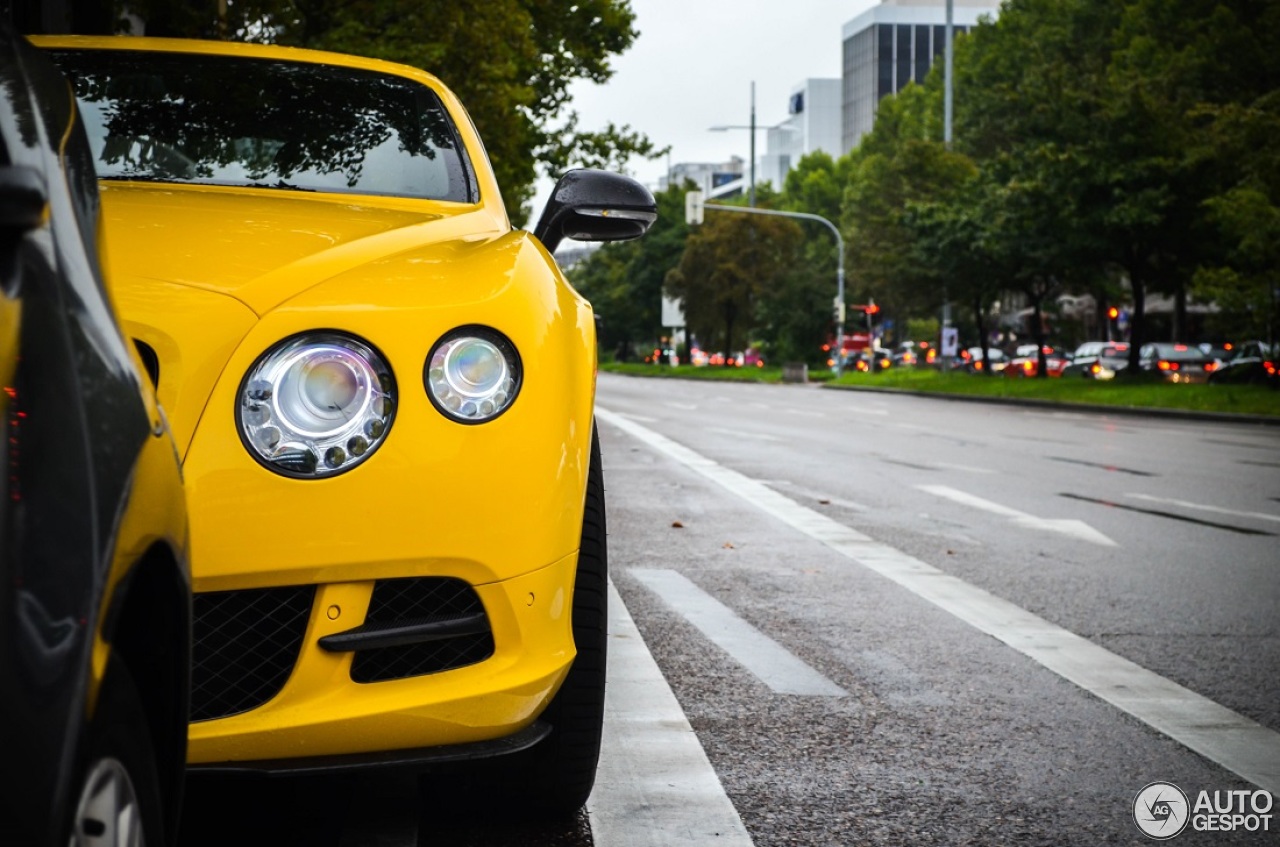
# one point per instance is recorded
(751, 189)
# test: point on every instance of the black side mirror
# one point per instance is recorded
(593, 205)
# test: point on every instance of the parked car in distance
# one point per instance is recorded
(1181, 363)
(383, 395)
(1098, 360)
(971, 360)
(867, 361)
(95, 590)
(1252, 362)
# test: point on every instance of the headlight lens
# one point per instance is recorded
(473, 374)
(316, 405)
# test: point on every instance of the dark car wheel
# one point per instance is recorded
(564, 764)
(118, 795)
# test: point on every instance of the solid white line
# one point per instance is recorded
(654, 786)
(771, 663)
(1074, 528)
(1214, 731)
(1262, 516)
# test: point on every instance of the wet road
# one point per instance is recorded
(876, 619)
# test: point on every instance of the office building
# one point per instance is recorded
(717, 180)
(892, 44)
(813, 123)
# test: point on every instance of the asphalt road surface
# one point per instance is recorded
(845, 618)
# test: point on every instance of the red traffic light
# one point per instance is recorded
(872, 309)
(1113, 313)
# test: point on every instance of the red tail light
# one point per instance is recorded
(1029, 367)
(1167, 366)
(1209, 366)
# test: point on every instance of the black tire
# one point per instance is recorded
(563, 765)
(117, 794)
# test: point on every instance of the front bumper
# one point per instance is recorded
(322, 712)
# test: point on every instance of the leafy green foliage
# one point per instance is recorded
(511, 62)
(730, 264)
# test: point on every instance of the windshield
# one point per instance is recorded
(219, 120)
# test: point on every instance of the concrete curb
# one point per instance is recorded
(1132, 411)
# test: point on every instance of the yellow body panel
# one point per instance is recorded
(211, 277)
(155, 516)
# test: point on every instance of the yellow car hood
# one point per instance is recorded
(192, 268)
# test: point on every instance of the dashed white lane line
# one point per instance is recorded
(768, 660)
(1214, 731)
(655, 786)
(1067, 526)
(824, 499)
(743, 434)
(1262, 516)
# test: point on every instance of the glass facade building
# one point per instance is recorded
(893, 44)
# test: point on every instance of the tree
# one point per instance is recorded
(899, 164)
(795, 313)
(730, 262)
(511, 62)
(1045, 108)
(1209, 71)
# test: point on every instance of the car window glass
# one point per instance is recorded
(265, 123)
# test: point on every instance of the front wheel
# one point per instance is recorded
(118, 797)
(564, 764)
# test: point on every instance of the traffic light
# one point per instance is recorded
(1113, 313)
(694, 207)
(872, 308)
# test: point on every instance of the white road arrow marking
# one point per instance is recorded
(1074, 528)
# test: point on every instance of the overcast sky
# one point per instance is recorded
(692, 66)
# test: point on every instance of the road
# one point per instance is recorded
(900, 620)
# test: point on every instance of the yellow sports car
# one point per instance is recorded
(382, 395)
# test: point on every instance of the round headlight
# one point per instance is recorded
(472, 374)
(316, 404)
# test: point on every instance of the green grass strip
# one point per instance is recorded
(1141, 393)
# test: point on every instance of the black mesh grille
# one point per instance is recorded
(246, 643)
(421, 599)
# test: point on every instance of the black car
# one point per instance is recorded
(95, 599)
(1251, 363)
(1172, 362)
(1098, 360)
